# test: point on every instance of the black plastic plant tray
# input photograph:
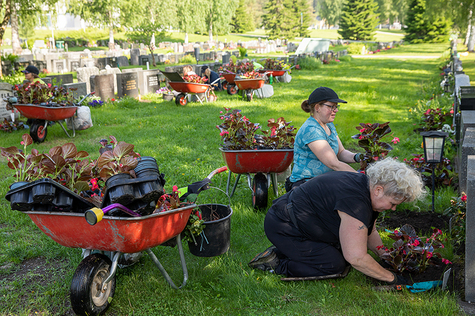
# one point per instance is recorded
(145, 190)
(46, 195)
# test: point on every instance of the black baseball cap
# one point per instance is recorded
(203, 69)
(31, 69)
(324, 94)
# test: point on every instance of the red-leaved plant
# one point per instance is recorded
(442, 170)
(120, 158)
(369, 139)
(412, 253)
(195, 79)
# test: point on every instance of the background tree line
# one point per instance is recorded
(286, 19)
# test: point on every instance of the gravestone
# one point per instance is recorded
(134, 56)
(74, 65)
(113, 71)
(122, 61)
(6, 90)
(103, 85)
(467, 149)
(61, 79)
(470, 232)
(150, 81)
(78, 89)
(127, 85)
(140, 77)
(144, 59)
(84, 73)
(25, 58)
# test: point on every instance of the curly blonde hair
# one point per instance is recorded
(398, 180)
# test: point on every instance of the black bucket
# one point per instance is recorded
(216, 236)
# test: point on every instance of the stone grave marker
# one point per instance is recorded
(78, 89)
(151, 82)
(103, 85)
(84, 73)
(122, 61)
(140, 77)
(62, 79)
(113, 71)
(74, 65)
(134, 56)
(127, 85)
(470, 231)
(6, 90)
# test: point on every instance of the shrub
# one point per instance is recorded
(355, 48)
(345, 58)
(310, 63)
(188, 59)
(242, 51)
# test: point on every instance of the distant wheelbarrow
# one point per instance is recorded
(247, 86)
(229, 83)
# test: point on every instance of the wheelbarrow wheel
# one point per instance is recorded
(224, 84)
(181, 99)
(38, 131)
(232, 89)
(87, 296)
(259, 191)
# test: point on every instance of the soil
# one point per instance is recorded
(424, 223)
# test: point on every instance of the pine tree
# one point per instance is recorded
(278, 20)
(417, 24)
(302, 11)
(358, 20)
(243, 20)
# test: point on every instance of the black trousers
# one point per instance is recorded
(300, 256)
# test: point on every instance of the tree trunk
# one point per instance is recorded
(151, 48)
(467, 37)
(186, 38)
(111, 32)
(471, 40)
(16, 47)
(3, 25)
(211, 31)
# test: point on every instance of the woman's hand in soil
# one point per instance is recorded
(398, 280)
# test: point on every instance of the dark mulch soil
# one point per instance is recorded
(424, 223)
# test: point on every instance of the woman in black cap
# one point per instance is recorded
(317, 147)
(31, 74)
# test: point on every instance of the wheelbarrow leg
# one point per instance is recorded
(273, 176)
(235, 184)
(72, 123)
(162, 270)
(115, 260)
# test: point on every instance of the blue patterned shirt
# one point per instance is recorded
(306, 164)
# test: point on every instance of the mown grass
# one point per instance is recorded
(185, 143)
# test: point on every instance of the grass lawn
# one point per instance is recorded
(185, 142)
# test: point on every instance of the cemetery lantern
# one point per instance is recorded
(197, 53)
(433, 151)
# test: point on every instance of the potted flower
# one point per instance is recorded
(246, 151)
(167, 94)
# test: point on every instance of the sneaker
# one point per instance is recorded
(129, 259)
(265, 261)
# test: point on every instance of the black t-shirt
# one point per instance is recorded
(316, 202)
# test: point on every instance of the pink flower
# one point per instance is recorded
(429, 255)
(452, 111)
(361, 137)
(464, 198)
(221, 112)
(446, 261)
(396, 140)
(22, 142)
(415, 243)
(427, 112)
(362, 130)
(375, 158)
(223, 133)
(175, 188)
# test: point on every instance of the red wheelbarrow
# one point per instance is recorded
(247, 86)
(43, 115)
(229, 83)
(107, 239)
(184, 88)
(274, 73)
(264, 163)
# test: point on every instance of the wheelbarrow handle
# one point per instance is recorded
(94, 215)
(216, 171)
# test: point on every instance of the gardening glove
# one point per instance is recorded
(398, 280)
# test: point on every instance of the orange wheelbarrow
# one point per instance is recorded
(229, 83)
(247, 86)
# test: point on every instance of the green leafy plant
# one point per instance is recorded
(442, 170)
(369, 138)
(272, 64)
(457, 211)
(355, 48)
(309, 63)
(238, 133)
(237, 68)
(412, 253)
(121, 158)
(434, 119)
(242, 51)
(9, 127)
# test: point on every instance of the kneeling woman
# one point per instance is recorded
(328, 222)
